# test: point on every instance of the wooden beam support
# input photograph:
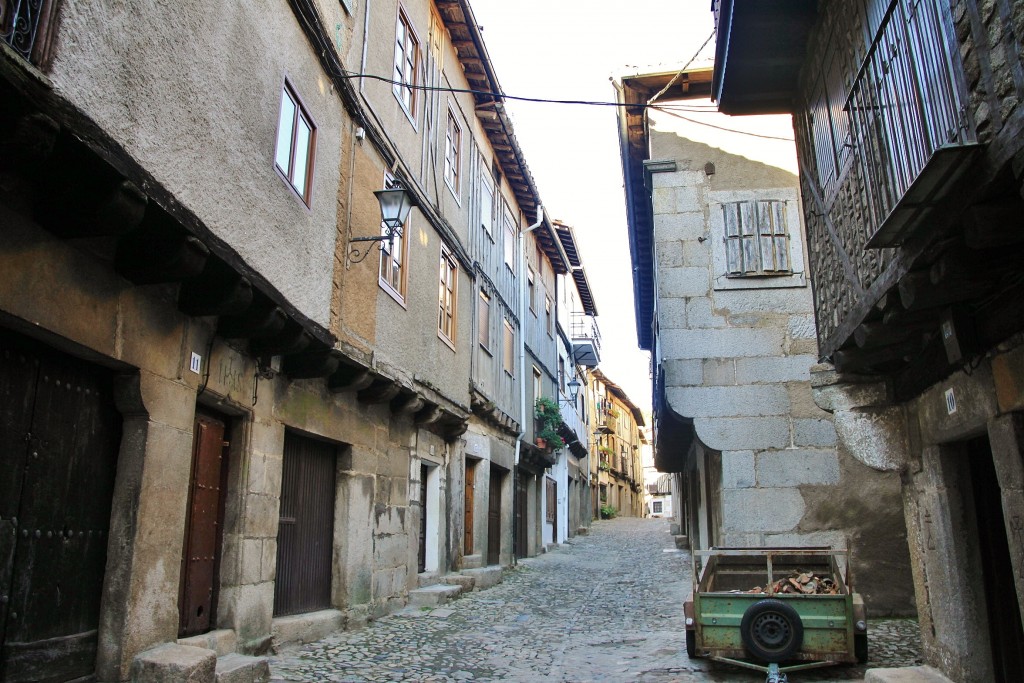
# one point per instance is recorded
(856, 360)
(30, 144)
(349, 378)
(149, 260)
(917, 292)
(262, 319)
(311, 363)
(406, 403)
(218, 290)
(291, 339)
(995, 224)
(382, 390)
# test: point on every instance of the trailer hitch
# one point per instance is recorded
(774, 675)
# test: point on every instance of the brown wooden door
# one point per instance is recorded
(305, 536)
(59, 437)
(467, 543)
(494, 518)
(201, 556)
(521, 516)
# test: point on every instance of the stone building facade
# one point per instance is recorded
(915, 248)
(731, 327)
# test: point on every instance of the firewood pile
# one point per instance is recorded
(801, 583)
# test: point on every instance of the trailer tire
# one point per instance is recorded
(771, 630)
(691, 644)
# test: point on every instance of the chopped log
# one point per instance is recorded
(262, 319)
(310, 364)
(349, 378)
(874, 335)
(917, 291)
(218, 290)
(380, 391)
(149, 261)
(292, 339)
(854, 360)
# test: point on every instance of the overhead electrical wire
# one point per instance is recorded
(722, 128)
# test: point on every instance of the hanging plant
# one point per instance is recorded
(549, 419)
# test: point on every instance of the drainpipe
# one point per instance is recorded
(522, 359)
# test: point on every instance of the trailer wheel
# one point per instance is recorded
(771, 630)
(691, 644)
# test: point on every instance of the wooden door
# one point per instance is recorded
(467, 543)
(305, 536)
(203, 531)
(421, 553)
(494, 518)
(59, 437)
(521, 516)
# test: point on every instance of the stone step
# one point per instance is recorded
(583, 531)
(467, 582)
(427, 579)
(432, 596)
(222, 641)
(484, 577)
(236, 668)
(682, 542)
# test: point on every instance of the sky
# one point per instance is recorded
(570, 50)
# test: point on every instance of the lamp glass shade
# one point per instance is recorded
(574, 388)
(395, 206)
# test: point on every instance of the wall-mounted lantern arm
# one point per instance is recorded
(395, 205)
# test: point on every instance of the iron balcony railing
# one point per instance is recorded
(20, 22)
(906, 109)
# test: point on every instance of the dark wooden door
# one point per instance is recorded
(59, 437)
(494, 518)
(1004, 623)
(521, 517)
(305, 536)
(421, 553)
(201, 556)
(551, 502)
(467, 543)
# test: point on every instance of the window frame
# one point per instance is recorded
(722, 279)
(483, 334)
(487, 190)
(299, 112)
(396, 290)
(549, 316)
(448, 298)
(510, 233)
(531, 290)
(406, 85)
(508, 360)
(453, 155)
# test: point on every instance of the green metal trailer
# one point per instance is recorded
(737, 617)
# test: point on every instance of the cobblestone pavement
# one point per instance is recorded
(603, 607)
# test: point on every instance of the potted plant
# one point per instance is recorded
(549, 419)
(608, 512)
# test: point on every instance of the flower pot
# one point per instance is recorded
(541, 443)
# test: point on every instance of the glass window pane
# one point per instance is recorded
(285, 129)
(302, 142)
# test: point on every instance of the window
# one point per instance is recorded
(561, 374)
(538, 386)
(508, 348)
(656, 507)
(452, 149)
(296, 140)
(531, 290)
(549, 319)
(446, 296)
(483, 309)
(756, 239)
(407, 58)
(509, 223)
(486, 202)
(392, 257)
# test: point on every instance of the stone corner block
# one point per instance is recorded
(236, 668)
(173, 663)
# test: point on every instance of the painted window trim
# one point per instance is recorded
(398, 75)
(455, 182)
(300, 112)
(448, 265)
(485, 326)
(398, 295)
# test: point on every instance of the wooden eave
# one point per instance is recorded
(579, 275)
(468, 41)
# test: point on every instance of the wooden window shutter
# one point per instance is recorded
(733, 251)
(756, 238)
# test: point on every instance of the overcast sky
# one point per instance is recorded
(569, 50)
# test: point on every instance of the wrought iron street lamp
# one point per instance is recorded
(395, 205)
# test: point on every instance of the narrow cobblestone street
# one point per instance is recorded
(604, 607)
